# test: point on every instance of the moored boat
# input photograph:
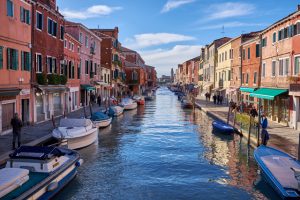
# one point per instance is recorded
(280, 170)
(186, 103)
(139, 99)
(128, 104)
(115, 111)
(101, 120)
(221, 127)
(37, 172)
(78, 133)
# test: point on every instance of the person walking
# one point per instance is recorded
(16, 124)
(215, 98)
(221, 99)
(264, 133)
(99, 100)
(218, 99)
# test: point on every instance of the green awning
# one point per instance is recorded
(87, 87)
(7, 92)
(267, 93)
(247, 89)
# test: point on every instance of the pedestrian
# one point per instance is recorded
(253, 112)
(99, 100)
(209, 96)
(221, 99)
(206, 96)
(16, 124)
(215, 98)
(218, 99)
(264, 133)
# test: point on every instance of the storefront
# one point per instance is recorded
(246, 95)
(73, 99)
(86, 91)
(275, 103)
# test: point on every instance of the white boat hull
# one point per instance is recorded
(130, 106)
(103, 123)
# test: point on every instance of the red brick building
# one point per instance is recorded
(15, 62)
(72, 69)
(48, 55)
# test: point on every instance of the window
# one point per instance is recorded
(297, 65)
(78, 49)
(1, 57)
(12, 59)
(86, 41)
(274, 37)
(80, 38)
(285, 33)
(95, 70)
(231, 54)
(255, 78)
(219, 57)
(52, 27)
(108, 80)
(51, 65)
(264, 42)
(105, 78)
(79, 70)
(291, 30)
(225, 55)
(134, 76)
(25, 61)
(248, 53)
(280, 35)
(39, 66)
(247, 78)
(263, 70)
(39, 21)
(243, 78)
(244, 54)
(286, 66)
(86, 67)
(280, 67)
(70, 69)
(24, 15)
(257, 50)
(274, 68)
(9, 8)
(73, 71)
(62, 67)
(62, 32)
(229, 75)
(296, 28)
(222, 56)
(65, 43)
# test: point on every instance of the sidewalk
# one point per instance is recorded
(33, 135)
(281, 137)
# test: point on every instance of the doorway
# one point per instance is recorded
(25, 111)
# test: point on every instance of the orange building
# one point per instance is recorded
(71, 69)
(15, 62)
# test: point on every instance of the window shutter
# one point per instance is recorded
(1, 57)
(8, 58)
(28, 19)
(22, 61)
(28, 61)
(21, 14)
(16, 59)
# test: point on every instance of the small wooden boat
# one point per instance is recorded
(221, 127)
(280, 170)
(78, 133)
(115, 111)
(37, 172)
(101, 120)
(128, 104)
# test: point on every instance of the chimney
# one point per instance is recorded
(298, 7)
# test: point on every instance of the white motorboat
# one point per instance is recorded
(78, 133)
(128, 104)
(101, 120)
(115, 111)
(37, 172)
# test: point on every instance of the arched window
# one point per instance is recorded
(134, 75)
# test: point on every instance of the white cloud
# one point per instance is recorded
(230, 25)
(165, 59)
(229, 9)
(172, 4)
(91, 12)
(154, 39)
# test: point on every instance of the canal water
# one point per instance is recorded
(161, 151)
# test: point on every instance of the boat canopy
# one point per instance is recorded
(268, 93)
(99, 116)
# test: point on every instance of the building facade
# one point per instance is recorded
(15, 62)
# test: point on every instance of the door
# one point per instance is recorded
(40, 115)
(57, 104)
(8, 111)
(25, 111)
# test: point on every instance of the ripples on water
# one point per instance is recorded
(161, 151)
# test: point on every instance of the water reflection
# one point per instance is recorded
(161, 151)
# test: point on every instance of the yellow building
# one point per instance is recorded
(223, 69)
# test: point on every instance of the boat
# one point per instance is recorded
(115, 111)
(101, 120)
(37, 172)
(78, 133)
(280, 170)
(186, 103)
(149, 95)
(222, 127)
(128, 104)
(139, 99)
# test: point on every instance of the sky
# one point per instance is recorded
(169, 32)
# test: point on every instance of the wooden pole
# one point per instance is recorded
(249, 135)
(259, 121)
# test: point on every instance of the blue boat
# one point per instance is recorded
(101, 120)
(280, 170)
(221, 127)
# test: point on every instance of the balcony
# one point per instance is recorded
(51, 79)
(221, 84)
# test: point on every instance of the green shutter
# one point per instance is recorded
(16, 60)
(22, 60)
(28, 20)
(8, 59)
(29, 61)
(22, 14)
(1, 57)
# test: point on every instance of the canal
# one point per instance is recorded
(161, 151)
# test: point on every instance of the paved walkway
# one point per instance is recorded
(33, 135)
(281, 136)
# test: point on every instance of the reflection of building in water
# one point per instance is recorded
(230, 152)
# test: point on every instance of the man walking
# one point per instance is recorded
(16, 124)
(264, 133)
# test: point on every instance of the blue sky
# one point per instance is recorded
(168, 32)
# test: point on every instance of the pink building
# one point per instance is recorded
(15, 62)
(90, 54)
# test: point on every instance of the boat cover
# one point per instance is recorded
(36, 152)
(99, 116)
(127, 101)
(12, 178)
(67, 122)
(280, 166)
